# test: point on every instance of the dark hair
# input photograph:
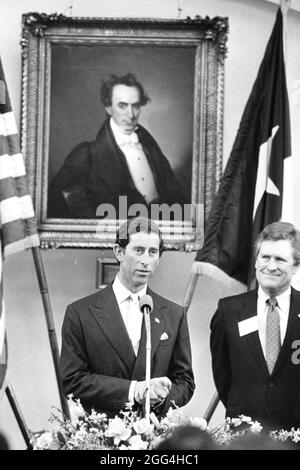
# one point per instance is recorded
(280, 231)
(135, 225)
(129, 80)
(188, 437)
(260, 441)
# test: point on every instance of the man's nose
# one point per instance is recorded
(145, 258)
(130, 112)
(271, 264)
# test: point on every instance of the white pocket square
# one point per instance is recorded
(164, 336)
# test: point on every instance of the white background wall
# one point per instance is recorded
(71, 273)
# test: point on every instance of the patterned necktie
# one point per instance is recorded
(273, 342)
(135, 319)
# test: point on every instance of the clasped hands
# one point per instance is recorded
(159, 390)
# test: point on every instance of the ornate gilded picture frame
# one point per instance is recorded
(180, 64)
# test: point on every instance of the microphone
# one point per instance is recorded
(146, 307)
(146, 304)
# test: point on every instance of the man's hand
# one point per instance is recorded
(139, 391)
(159, 389)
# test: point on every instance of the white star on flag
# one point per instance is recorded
(263, 182)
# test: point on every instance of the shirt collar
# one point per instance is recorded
(122, 293)
(280, 298)
(117, 131)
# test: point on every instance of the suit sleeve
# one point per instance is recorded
(94, 390)
(221, 365)
(180, 371)
(67, 196)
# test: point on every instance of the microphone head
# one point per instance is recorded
(146, 302)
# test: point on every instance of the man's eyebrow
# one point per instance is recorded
(133, 104)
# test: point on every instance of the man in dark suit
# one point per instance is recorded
(123, 160)
(254, 335)
(103, 356)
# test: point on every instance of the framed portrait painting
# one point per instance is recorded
(87, 83)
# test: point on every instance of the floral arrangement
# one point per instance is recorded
(95, 431)
(293, 435)
(129, 431)
(234, 428)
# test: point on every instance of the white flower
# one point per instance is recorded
(174, 417)
(117, 429)
(199, 423)
(123, 447)
(76, 410)
(283, 435)
(235, 421)
(44, 441)
(256, 427)
(245, 419)
(137, 443)
(156, 441)
(80, 435)
(295, 434)
(143, 427)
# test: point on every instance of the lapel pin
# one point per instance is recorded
(299, 315)
(157, 320)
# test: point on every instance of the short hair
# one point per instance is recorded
(188, 437)
(280, 231)
(129, 80)
(136, 225)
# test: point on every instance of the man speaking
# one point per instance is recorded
(103, 356)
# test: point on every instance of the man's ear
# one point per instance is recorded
(118, 252)
(295, 268)
(108, 110)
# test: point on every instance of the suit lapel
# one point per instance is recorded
(248, 310)
(292, 331)
(109, 319)
(113, 168)
(157, 328)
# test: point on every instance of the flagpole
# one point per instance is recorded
(287, 213)
(186, 304)
(190, 290)
(18, 415)
(39, 267)
(211, 407)
(284, 5)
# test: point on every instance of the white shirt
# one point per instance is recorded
(132, 318)
(283, 301)
(137, 162)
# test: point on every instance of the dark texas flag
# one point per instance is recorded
(251, 190)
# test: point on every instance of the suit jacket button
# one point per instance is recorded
(271, 384)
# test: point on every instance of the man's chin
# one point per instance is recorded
(128, 130)
(144, 277)
(129, 127)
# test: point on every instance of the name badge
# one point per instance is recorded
(248, 326)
